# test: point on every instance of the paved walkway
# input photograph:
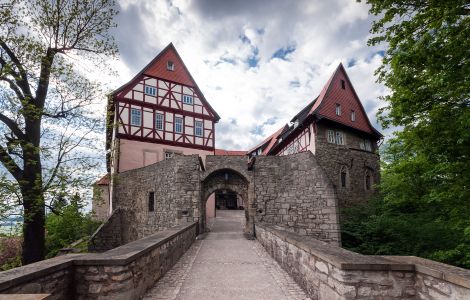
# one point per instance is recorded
(225, 265)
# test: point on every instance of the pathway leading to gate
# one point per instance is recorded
(225, 265)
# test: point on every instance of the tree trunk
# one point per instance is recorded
(33, 196)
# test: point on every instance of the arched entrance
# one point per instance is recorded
(226, 182)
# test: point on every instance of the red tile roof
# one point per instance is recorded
(103, 180)
(270, 141)
(332, 94)
(229, 152)
(157, 68)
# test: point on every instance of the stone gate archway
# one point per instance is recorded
(224, 179)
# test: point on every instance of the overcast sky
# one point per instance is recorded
(257, 62)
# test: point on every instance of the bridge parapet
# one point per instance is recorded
(125, 272)
(326, 271)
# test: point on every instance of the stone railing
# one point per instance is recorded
(326, 271)
(125, 272)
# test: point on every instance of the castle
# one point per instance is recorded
(161, 113)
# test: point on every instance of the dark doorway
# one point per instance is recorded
(227, 199)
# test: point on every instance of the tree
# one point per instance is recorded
(426, 175)
(46, 101)
(67, 225)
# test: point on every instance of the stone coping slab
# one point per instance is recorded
(25, 297)
(122, 255)
(337, 256)
(348, 260)
(456, 275)
(127, 253)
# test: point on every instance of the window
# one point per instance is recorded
(339, 138)
(170, 66)
(159, 121)
(136, 117)
(150, 90)
(331, 136)
(187, 99)
(353, 115)
(178, 125)
(168, 155)
(368, 180)
(338, 109)
(365, 145)
(343, 84)
(151, 201)
(198, 128)
(343, 176)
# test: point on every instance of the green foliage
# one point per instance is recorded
(424, 208)
(68, 225)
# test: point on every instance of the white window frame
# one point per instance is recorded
(331, 136)
(338, 109)
(353, 115)
(169, 155)
(339, 138)
(159, 118)
(181, 124)
(198, 128)
(135, 112)
(188, 99)
(150, 90)
(170, 66)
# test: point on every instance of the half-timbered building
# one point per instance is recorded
(157, 114)
(335, 128)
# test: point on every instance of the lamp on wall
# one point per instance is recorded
(226, 177)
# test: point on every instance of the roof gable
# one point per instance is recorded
(270, 141)
(158, 68)
(333, 93)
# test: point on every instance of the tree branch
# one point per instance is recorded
(10, 164)
(23, 81)
(13, 126)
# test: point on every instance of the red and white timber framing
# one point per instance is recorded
(168, 101)
(298, 144)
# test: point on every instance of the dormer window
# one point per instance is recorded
(338, 109)
(343, 84)
(353, 115)
(170, 66)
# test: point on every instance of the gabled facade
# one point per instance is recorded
(160, 112)
(336, 129)
(157, 114)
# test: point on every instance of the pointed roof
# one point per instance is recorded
(157, 68)
(270, 141)
(332, 94)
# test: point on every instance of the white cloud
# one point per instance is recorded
(218, 39)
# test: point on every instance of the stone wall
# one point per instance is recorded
(176, 185)
(294, 193)
(108, 235)
(333, 157)
(291, 191)
(125, 272)
(329, 272)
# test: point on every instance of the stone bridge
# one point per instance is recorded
(175, 252)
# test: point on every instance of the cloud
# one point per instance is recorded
(255, 61)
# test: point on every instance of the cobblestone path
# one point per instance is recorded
(225, 265)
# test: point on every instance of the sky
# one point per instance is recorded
(257, 62)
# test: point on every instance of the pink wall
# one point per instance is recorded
(135, 154)
(210, 206)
